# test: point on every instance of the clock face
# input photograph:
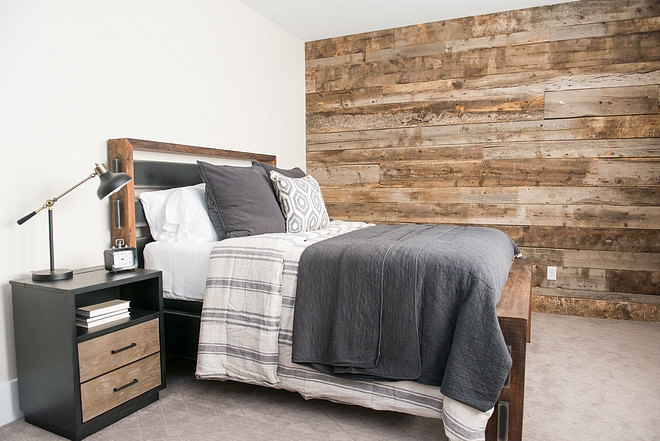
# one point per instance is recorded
(123, 259)
(120, 259)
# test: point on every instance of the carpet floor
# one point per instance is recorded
(587, 379)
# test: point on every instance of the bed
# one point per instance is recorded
(183, 308)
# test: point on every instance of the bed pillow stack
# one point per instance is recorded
(235, 202)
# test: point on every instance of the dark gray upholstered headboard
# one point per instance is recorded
(127, 220)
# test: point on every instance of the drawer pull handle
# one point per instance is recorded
(117, 389)
(117, 351)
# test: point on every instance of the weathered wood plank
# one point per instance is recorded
(350, 44)
(503, 40)
(511, 22)
(617, 127)
(464, 28)
(512, 173)
(605, 28)
(449, 195)
(364, 174)
(579, 238)
(319, 63)
(371, 155)
(503, 214)
(545, 34)
(603, 216)
(643, 171)
(592, 11)
(542, 256)
(587, 148)
(364, 139)
(536, 82)
(616, 196)
(607, 101)
(622, 306)
(638, 282)
(429, 113)
(560, 54)
(621, 127)
(310, 82)
(420, 50)
(485, 214)
(612, 260)
(378, 73)
(344, 98)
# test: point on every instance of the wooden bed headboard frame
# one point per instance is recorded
(125, 212)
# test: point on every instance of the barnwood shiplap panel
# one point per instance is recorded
(636, 100)
(449, 122)
(627, 48)
(597, 148)
(612, 260)
(579, 238)
(566, 196)
(536, 82)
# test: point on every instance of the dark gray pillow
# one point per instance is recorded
(240, 200)
(293, 173)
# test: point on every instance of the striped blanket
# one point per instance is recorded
(246, 332)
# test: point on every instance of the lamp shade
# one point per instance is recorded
(110, 182)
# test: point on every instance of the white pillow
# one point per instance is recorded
(301, 202)
(178, 214)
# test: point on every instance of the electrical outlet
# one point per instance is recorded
(552, 273)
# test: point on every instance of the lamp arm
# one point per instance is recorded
(50, 202)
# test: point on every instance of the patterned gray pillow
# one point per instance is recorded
(301, 201)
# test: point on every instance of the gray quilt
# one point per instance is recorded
(410, 302)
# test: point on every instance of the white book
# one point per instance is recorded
(84, 319)
(103, 321)
(103, 308)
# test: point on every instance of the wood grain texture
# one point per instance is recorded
(108, 391)
(514, 314)
(104, 354)
(541, 122)
(636, 100)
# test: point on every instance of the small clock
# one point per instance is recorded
(120, 257)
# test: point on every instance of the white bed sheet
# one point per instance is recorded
(184, 266)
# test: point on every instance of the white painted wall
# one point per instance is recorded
(74, 73)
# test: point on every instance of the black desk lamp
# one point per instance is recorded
(110, 183)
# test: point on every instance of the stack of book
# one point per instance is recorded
(102, 313)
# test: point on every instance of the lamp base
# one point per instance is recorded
(49, 276)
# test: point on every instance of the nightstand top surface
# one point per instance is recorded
(92, 278)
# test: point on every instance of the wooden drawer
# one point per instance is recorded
(103, 393)
(111, 351)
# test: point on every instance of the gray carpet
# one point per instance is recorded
(587, 379)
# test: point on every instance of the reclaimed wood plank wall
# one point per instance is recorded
(541, 122)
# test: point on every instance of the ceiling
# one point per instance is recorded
(312, 20)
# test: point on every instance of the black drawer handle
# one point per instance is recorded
(117, 351)
(117, 389)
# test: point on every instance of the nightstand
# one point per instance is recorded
(74, 381)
